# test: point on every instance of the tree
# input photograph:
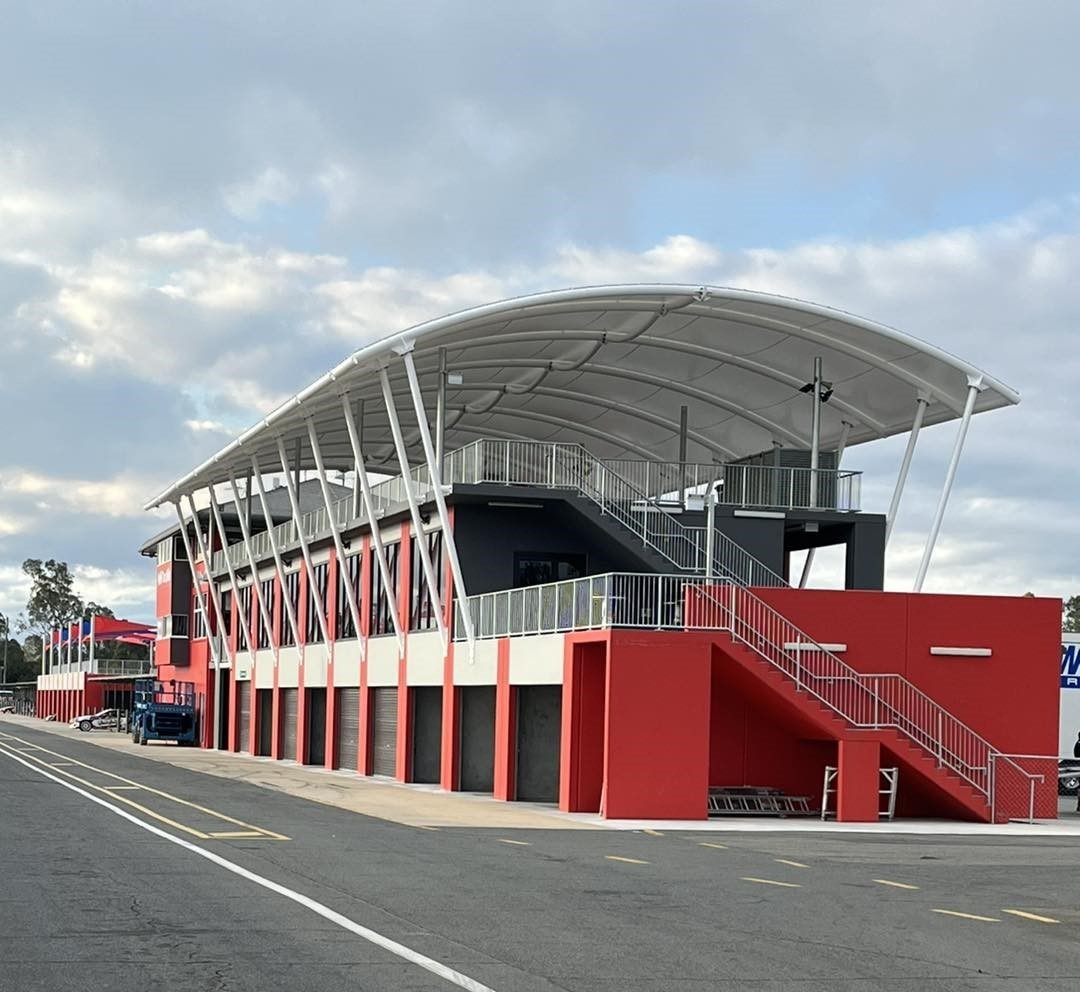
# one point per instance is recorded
(92, 609)
(1070, 621)
(52, 601)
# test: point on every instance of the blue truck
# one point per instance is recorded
(163, 711)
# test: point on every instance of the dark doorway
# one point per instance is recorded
(427, 733)
(315, 720)
(264, 701)
(539, 732)
(478, 738)
(223, 710)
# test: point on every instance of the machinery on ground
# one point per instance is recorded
(163, 711)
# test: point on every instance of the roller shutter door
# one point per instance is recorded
(348, 728)
(288, 723)
(384, 731)
(243, 703)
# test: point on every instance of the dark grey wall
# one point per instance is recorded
(427, 733)
(488, 537)
(478, 738)
(539, 732)
(865, 558)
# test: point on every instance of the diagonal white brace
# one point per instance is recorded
(378, 550)
(435, 471)
(339, 548)
(201, 604)
(305, 550)
(244, 622)
(909, 452)
(245, 531)
(215, 594)
(279, 565)
(414, 508)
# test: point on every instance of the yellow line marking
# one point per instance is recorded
(653, 833)
(628, 861)
(794, 864)
(1030, 916)
(718, 847)
(226, 834)
(896, 885)
(966, 916)
(146, 788)
(520, 843)
(770, 881)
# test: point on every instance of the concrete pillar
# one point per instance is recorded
(858, 781)
(449, 777)
(505, 726)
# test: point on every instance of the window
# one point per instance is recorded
(164, 551)
(267, 589)
(292, 593)
(245, 612)
(198, 622)
(348, 572)
(175, 625)
(536, 568)
(226, 613)
(313, 633)
(382, 618)
(421, 608)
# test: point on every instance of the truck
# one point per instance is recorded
(163, 711)
(1068, 765)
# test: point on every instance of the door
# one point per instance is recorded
(347, 702)
(384, 731)
(539, 733)
(264, 699)
(289, 701)
(478, 738)
(315, 718)
(427, 733)
(243, 703)
(223, 710)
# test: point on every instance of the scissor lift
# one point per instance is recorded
(163, 711)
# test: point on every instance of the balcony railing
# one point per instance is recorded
(632, 487)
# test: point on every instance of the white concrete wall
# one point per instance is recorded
(347, 662)
(425, 659)
(264, 669)
(536, 660)
(382, 661)
(289, 668)
(315, 665)
(484, 668)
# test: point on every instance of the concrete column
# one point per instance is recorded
(505, 726)
(857, 781)
(451, 743)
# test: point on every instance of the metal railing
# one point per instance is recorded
(637, 493)
(679, 602)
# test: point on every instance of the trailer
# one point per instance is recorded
(163, 711)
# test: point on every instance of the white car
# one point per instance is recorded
(102, 720)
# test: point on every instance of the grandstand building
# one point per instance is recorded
(554, 564)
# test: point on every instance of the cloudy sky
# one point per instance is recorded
(203, 206)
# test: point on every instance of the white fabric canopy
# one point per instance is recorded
(610, 367)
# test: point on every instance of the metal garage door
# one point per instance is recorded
(384, 731)
(288, 723)
(539, 733)
(347, 722)
(243, 704)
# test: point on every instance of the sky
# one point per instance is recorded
(205, 206)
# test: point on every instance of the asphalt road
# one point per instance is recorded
(89, 899)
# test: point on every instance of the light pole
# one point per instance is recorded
(6, 635)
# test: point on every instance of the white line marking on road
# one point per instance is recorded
(625, 861)
(718, 847)
(1030, 916)
(769, 881)
(794, 864)
(520, 843)
(365, 933)
(966, 916)
(896, 885)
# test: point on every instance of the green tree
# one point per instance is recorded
(1070, 620)
(52, 602)
(31, 650)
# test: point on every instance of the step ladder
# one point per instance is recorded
(755, 801)
(889, 778)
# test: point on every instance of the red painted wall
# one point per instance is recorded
(581, 758)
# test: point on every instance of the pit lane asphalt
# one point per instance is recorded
(88, 899)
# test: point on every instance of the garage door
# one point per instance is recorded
(384, 731)
(347, 721)
(243, 703)
(288, 723)
(264, 701)
(539, 733)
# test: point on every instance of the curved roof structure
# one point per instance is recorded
(610, 367)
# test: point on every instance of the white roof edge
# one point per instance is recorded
(384, 347)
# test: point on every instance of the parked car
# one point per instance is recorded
(1068, 776)
(102, 720)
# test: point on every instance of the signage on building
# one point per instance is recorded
(1070, 666)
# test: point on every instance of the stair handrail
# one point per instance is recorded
(955, 745)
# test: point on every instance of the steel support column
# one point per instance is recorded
(245, 626)
(975, 386)
(809, 563)
(279, 565)
(305, 550)
(373, 521)
(245, 531)
(350, 592)
(435, 469)
(414, 508)
(909, 452)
